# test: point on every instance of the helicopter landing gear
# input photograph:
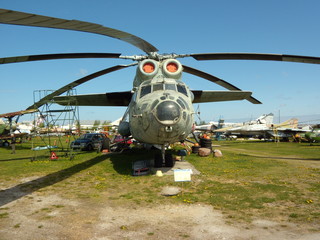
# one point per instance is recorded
(163, 159)
(168, 160)
(158, 161)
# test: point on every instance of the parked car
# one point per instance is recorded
(90, 141)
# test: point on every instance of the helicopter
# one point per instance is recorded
(159, 106)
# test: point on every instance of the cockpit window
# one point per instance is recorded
(181, 103)
(182, 89)
(170, 87)
(145, 90)
(157, 87)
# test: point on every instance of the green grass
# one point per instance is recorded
(251, 180)
(284, 149)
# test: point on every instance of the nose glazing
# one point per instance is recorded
(168, 111)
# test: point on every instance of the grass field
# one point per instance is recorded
(277, 181)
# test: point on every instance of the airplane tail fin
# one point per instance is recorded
(265, 119)
(291, 123)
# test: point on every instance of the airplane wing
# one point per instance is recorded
(225, 129)
(219, 96)
(104, 99)
(287, 132)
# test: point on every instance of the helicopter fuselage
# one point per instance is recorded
(161, 110)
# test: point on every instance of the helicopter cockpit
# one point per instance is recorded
(147, 88)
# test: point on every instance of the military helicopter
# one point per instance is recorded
(160, 110)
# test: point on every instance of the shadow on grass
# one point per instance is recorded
(15, 159)
(43, 155)
(23, 189)
(122, 163)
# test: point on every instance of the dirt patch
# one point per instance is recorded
(48, 216)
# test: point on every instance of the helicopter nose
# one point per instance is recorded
(168, 112)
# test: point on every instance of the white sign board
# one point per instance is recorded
(182, 175)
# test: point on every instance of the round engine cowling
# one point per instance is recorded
(124, 128)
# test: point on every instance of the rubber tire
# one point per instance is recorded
(89, 147)
(158, 161)
(169, 162)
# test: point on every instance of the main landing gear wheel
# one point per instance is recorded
(158, 161)
(168, 160)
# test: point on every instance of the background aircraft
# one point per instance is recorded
(8, 125)
(160, 107)
(263, 127)
(314, 135)
(263, 122)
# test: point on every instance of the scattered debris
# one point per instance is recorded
(105, 151)
(140, 168)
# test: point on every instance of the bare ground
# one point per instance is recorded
(47, 215)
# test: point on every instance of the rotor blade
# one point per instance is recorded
(27, 19)
(105, 99)
(219, 96)
(57, 56)
(73, 84)
(19, 113)
(216, 80)
(256, 56)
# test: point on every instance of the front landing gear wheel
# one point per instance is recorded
(158, 161)
(169, 162)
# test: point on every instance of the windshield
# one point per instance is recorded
(146, 89)
(182, 89)
(86, 136)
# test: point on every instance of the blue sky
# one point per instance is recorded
(179, 26)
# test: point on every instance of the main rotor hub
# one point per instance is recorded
(155, 56)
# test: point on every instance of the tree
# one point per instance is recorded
(106, 122)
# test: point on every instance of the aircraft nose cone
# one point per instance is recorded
(168, 112)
